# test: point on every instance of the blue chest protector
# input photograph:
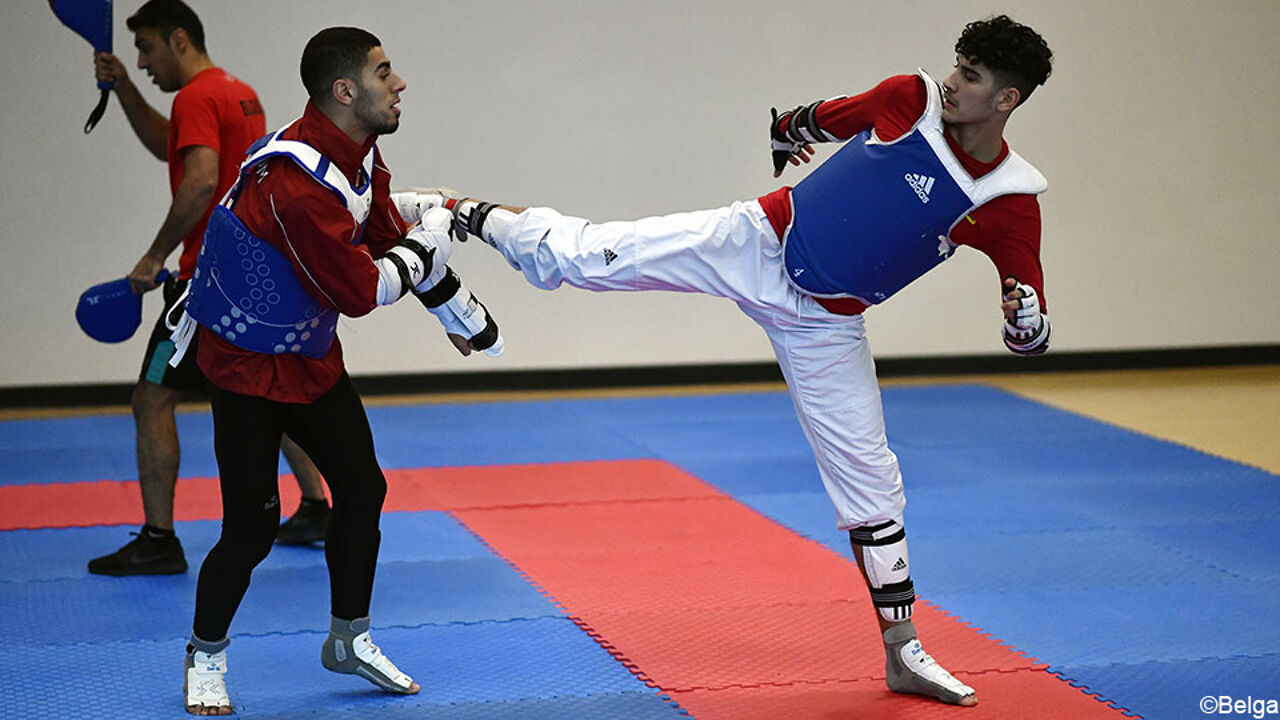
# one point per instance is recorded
(248, 292)
(877, 215)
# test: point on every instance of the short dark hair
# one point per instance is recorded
(166, 16)
(332, 53)
(1017, 55)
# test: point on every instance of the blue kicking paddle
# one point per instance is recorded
(110, 312)
(91, 20)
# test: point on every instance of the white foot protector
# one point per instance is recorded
(909, 669)
(360, 656)
(205, 684)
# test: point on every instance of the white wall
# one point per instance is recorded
(1157, 133)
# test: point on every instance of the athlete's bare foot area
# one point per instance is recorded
(201, 710)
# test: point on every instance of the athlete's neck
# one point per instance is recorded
(982, 141)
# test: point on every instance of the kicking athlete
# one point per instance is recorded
(925, 169)
(309, 231)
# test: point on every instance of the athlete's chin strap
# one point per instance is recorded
(881, 550)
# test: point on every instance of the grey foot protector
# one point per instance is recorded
(904, 679)
(339, 655)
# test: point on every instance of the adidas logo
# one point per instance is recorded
(922, 184)
(900, 565)
(609, 256)
(796, 272)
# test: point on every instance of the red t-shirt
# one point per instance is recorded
(307, 222)
(1006, 229)
(213, 110)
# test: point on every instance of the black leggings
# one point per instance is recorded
(334, 432)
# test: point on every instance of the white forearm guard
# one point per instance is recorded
(419, 261)
(461, 313)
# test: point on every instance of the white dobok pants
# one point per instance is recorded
(734, 253)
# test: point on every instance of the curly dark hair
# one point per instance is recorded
(1015, 53)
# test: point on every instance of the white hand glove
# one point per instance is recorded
(1026, 328)
(413, 203)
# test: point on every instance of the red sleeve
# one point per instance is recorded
(384, 228)
(1007, 230)
(194, 119)
(892, 107)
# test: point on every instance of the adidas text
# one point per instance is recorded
(922, 184)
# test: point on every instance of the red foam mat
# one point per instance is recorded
(772, 644)
(575, 482)
(645, 556)
(733, 615)
(112, 502)
(1001, 696)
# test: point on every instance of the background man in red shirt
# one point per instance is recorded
(924, 170)
(214, 119)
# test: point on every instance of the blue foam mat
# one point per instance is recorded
(60, 612)
(1174, 690)
(1112, 556)
(545, 660)
(1126, 624)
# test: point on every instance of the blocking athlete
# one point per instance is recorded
(924, 169)
(213, 120)
(309, 231)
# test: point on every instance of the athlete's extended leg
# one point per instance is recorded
(719, 252)
(829, 370)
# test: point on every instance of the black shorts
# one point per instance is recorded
(155, 364)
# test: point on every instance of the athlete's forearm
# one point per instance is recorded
(150, 126)
(189, 204)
